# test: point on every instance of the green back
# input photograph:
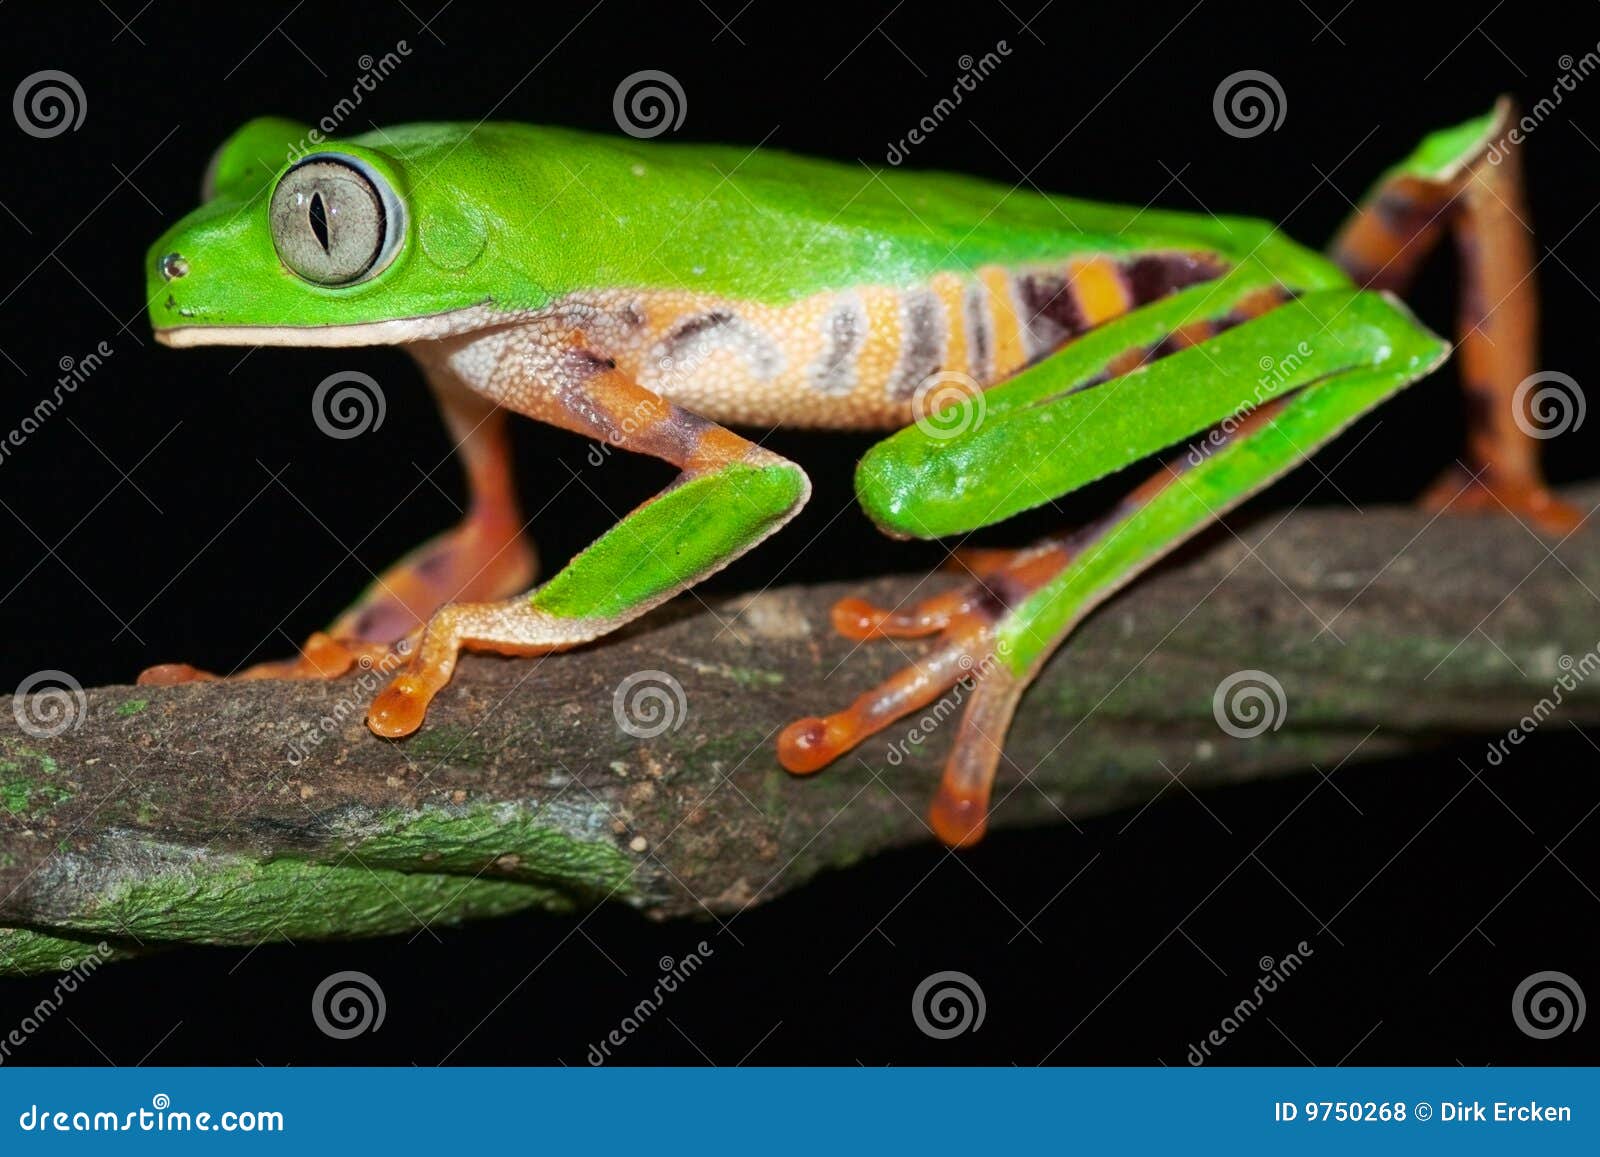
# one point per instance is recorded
(517, 215)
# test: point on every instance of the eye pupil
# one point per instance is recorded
(319, 221)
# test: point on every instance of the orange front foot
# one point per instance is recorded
(322, 657)
(969, 652)
(1458, 491)
(509, 627)
(486, 556)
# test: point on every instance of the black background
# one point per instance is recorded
(144, 491)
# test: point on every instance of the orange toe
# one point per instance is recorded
(399, 709)
(810, 744)
(171, 674)
(860, 620)
(1549, 513)
(959, 820)
(856, 618)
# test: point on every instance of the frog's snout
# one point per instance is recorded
(172, 266)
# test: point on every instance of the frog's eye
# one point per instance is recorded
(335, 221)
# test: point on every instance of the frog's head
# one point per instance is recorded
(300, 242)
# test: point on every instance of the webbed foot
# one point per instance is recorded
(967, 622)
(1457, 490)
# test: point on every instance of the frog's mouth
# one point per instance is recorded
(391, 331)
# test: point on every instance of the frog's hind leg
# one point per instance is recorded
(1052, 429)
(1468, 180)
(970, 652)
(486, 556)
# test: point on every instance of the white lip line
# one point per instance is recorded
(392, 331)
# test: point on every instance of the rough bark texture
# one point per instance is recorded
(235, 813)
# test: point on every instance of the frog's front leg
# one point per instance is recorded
(1056, 427)
(730, 495)
(1467, 181)
(486, 556)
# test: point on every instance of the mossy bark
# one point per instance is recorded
(234, 813)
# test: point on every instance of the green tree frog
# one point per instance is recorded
(652, 296)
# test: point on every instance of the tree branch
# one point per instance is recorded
(239, 812)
